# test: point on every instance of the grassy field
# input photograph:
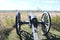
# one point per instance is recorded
(8, 31)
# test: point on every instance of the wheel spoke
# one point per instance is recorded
(47, 27)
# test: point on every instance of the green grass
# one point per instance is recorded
(56, 23)
(9, 33)
(8, 22)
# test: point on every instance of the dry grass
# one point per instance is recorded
(25, 14)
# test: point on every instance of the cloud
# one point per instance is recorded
(27, 5)
(9, 5)
(51, 1)
(5, 5)
(19, 5)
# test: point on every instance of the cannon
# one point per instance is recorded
(33, 23)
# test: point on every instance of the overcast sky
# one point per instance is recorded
(30, 5)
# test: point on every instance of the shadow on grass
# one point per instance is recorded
(56, 28)
(26, 36)
(52, 36)
(6, 32)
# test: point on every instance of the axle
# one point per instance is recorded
(27, 22)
